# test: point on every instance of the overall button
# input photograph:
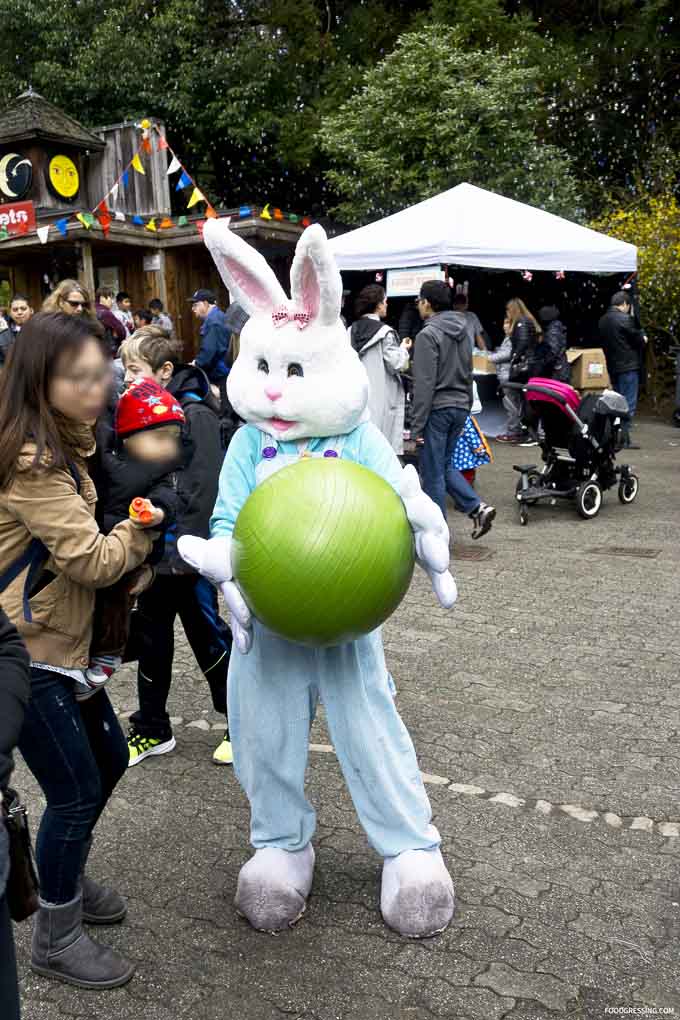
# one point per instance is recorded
(269, 452)
(330, 453)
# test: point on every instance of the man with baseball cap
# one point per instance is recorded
(215, 337)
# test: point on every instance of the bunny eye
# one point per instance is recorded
(295, 369)
(262, 366)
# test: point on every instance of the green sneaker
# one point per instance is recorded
(223, 753)
(141, 747)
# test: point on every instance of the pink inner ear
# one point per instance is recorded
(311, 293)
(249, 284)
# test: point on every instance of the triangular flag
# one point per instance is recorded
(199, 226)
(22, 228)
(306, 222)
(183, 182)
(245, 210)
(62, 226)
(113, 193)
(175, 165)
(182, 221)
(162, 144)
(119, 216)
(4, 233)
(42, 233)
(106, 225)
(138, 221)
(84, 220)
(151, 225)
(146, 145)
(265, 214)
(196, 196)
(165, 223)
(103, 207)
(125, 178)
(137, 164)
(294, 218)
(210, 213)
(278, 215)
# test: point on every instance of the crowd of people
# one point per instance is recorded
(74, 562)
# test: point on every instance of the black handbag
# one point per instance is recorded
(22, 882)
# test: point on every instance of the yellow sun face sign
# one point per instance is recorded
(63, 175)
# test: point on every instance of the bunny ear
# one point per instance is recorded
(316, 284)
(247, 276)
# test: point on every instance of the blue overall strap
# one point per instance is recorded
(34, 556)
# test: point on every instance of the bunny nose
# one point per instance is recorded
(273, 394)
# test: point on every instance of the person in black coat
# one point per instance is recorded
(14, 694)
(177, 589)
(549, 359)
(623, 344)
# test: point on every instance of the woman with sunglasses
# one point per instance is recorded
(68, 297)
(52, 559)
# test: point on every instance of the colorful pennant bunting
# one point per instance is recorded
(210, 213)
(125, 178)
(162, 143)
(4, 233)
(62, 226)
(138, 221)
(182, 221)
(306, 222)
(183, 182)
(146, 145)
(175, 165)
(165, 223)
(196, 196)
(278, 215)
(120, 216)
(294, 218)
(245, 210)
(199, 226)
(265, 214)
(151, 225)
(42, 233)
(113, 193)
(137, 164)
(87, 219)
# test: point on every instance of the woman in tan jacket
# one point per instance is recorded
(52, 559)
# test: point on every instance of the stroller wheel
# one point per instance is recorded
(534, 481)
(628, 488)
(523, 516)
(589, 500)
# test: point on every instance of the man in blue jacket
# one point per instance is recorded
(215, 337)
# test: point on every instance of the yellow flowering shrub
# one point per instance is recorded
(654, 226)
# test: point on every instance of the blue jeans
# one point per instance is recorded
(443, 428)
(77, 753)
(628, 384)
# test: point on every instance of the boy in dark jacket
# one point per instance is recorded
(141, 462)
(177, 590)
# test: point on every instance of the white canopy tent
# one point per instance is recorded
(468, 226)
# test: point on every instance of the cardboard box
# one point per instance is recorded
(588, 368)
(482, 365)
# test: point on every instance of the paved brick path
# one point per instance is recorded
(554, 682)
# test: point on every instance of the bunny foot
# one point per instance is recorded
(416, 898)
(273, 887)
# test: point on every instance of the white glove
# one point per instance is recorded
(212, 559)
(431, 536)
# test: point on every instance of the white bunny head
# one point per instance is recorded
(296, 375)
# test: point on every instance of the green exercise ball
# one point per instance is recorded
(323, 551)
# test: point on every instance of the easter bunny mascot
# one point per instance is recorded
(302, 389)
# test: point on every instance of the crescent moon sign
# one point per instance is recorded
(15, 181)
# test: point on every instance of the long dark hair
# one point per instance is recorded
(369, 299)
(25, 411)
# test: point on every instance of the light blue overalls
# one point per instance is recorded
(273, 691)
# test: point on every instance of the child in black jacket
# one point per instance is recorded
(178, 590)
(147, 451)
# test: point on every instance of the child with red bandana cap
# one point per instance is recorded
(147, 453)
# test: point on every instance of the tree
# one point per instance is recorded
(434, 113)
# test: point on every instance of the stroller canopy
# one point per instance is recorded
(468, 226)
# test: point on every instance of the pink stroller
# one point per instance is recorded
(581, 436)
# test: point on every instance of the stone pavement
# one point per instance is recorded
(546, 714)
